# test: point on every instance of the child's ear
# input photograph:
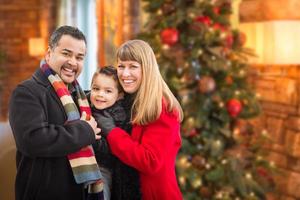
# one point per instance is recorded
(121, 95)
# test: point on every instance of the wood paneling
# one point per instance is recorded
(265, 10)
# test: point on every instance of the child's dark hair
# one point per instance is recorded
(108, 71)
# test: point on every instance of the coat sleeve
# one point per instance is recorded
(35, 136)
(148, 155)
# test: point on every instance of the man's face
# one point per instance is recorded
(66, 59)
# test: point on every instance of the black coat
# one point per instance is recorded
(43, 140)
(125, 179)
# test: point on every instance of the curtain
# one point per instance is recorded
(82, 13)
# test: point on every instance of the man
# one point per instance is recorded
(45, 132)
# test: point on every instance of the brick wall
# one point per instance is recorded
(19, 21)
(278, 87)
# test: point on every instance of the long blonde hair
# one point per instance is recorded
(147, 105)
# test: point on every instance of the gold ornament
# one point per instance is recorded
(198, 161)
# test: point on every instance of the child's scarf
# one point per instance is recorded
(83, 163)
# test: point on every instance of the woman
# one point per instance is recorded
(155, 116)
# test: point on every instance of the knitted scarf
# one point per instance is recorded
(83, 163)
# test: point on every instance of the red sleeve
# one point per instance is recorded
(148, 155)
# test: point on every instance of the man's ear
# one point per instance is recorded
(47, 55)
(121, 95)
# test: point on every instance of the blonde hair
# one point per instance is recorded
(147, 105)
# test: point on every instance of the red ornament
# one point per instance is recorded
(229, 40)
(192, 133)
(203, 19)
(262, 171)
(219, 27)
(228, 80)
(234, 107)
(169, 36)
(216, 10)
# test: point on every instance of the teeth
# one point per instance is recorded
(128, 81)
(69, 70)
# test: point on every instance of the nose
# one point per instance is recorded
(100, 93)
(72, 60)
(126, 71)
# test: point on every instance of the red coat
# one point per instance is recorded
(152, 150)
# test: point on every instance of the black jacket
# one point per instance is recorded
(43, 140)
(125, 179)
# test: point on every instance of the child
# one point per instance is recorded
(106, 97)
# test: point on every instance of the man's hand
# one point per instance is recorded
(92, 122)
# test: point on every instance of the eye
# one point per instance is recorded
(79, 58)
(95, 88)
(121, 66)
(65, 53)
(108, 91)
(134, 66)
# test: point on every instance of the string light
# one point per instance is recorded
(264, 132)
(248, 176)
(237, 92)
(207, 166)
(199, 52)
(224, 161)
(192, 15)
(258, 95)
(182, 180)
(272, 164)
(199, 147)
(219, 195)
(236, 132)
(252, 194)
(242, 72)
(259, 158)
(223, 35)
(186, 64)
(221, 104)
(218, 143)
(197, 183)
(165, 47)
(159, 12)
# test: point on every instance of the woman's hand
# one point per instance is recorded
(106, 123)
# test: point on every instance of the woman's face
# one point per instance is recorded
(130, 75)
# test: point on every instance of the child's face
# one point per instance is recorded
(104, 92)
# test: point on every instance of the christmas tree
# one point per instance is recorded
(205, 63)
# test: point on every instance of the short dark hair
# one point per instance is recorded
(108, 71)
(65, 30)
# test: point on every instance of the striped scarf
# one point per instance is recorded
(83, 163)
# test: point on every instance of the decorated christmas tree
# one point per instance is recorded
(205, 63)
